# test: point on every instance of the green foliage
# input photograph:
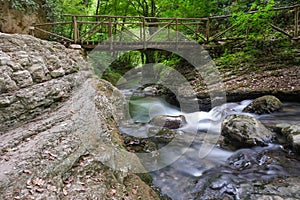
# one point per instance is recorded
(254, 25)
(23, 5)
(172, 61)
(112, 76)
(127, 61)
(51, 8)
(235, 60)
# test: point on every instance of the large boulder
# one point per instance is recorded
(264, 105)
(58, 137)
(167, 121)
(242, 131)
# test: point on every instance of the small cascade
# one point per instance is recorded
(193, 152)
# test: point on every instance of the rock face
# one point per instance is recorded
(18, 20)
(58, 139)
(264, 105)
(243, 131)
(34, 75)
(171, 122)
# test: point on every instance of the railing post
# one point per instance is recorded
(76, 31)
(197, 31)
(141, 29)
(144, 33)
(296, 34)
(207, 30)
(31, 30)
(110, 34)
(177, 34)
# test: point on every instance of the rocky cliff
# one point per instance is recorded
(57, 130)
(19, 20)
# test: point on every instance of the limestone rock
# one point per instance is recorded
(39, 72)
(22, 78)
(75, 46)
(74, 150)
(264, 105)
(243, 131)
(7, 84)
(26, 86)
(58, 137)
(171, 122)
(57, 73)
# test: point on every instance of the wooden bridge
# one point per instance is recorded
(115, 33)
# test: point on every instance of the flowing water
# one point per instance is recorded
(178, 178)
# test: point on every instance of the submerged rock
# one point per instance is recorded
(264, 105)
(243, 131)
(167, 121)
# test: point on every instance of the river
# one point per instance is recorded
(194, 160)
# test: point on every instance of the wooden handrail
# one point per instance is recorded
(52, 23)
(200, 28)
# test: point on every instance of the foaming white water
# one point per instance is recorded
(197, 122)
(211, 121)
(177, 178)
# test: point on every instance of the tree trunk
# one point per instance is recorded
(97, 8)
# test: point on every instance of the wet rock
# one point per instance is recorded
(243, 131)
(159, 131)
(134, 144)
(170, 122)
(258, 173)
(295, 140)
(288, 130)
(161, 135)
(264, 105)
(292, 133)
(150, 91)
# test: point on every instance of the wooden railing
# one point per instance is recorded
(121, 32)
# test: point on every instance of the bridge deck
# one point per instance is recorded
(121, 46)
